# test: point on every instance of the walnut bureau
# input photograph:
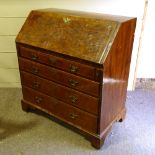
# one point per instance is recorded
(75, 67)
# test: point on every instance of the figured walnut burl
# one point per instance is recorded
(70, 34)
(74, 66)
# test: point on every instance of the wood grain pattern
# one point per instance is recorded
(101, 47)
(116, 72)
(70, 96)
(70, 35)
(61, 77)
(69, 113)
(58, 62)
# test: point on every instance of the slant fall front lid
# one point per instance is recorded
(83, 35)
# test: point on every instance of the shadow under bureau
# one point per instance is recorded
(75, 66)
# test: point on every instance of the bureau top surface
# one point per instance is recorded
(87, 36)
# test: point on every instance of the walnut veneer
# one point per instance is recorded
(75, 67)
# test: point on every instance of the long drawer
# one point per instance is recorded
(70, 96)
(64, 78)
(58, 62)
(70, 114)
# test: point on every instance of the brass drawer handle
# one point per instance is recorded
(73, 98)
(73, 69)
(38, 99)
(34, 57)
(36, 84)
(35, 70)
(73, 83)
(73, 116)
(52, 61)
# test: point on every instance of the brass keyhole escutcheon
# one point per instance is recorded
(66, 20)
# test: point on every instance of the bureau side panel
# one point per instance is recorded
(116, 72)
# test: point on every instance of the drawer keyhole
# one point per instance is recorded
(52, 61)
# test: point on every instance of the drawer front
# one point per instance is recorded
(56, 75)
(70, 114)
(80, 100)
(58, 62)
